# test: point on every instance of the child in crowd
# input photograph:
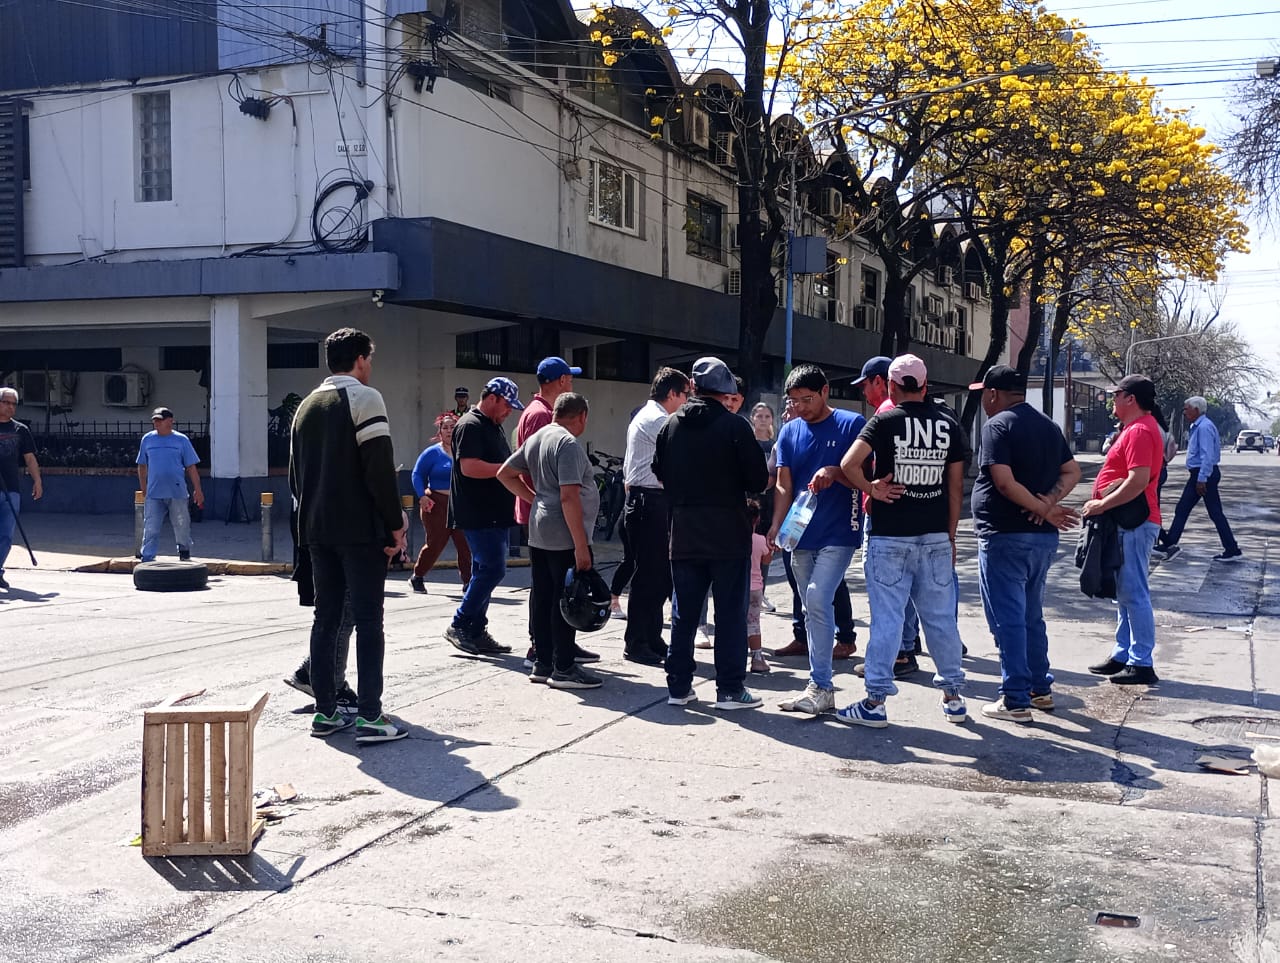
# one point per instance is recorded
(760, 559)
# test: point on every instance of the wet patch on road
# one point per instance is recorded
(919, 897)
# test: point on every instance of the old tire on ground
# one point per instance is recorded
(170, 576)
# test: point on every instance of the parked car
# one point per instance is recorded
(1249, 440)
(1268, 442)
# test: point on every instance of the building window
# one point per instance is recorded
(704, 228)
(154, 147)
(294, 354)
(827, 284)
(615, 195)
(517, 348)
(870, 286)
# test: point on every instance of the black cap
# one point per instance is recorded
(461, 390)
(160, 414)
(1002, 378)
(1141, 387)
(878, 365)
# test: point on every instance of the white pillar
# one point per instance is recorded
(238, 402)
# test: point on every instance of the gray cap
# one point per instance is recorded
(711, 375)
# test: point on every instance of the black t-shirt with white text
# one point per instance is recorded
(914, 442)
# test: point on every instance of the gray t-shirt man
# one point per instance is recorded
(552, 457)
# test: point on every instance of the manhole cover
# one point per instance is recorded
(1240, 727)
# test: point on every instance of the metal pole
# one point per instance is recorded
(1128, 356)
(791, 274)
(265, 501)
(139, 506)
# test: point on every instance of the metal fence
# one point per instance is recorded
(106, 444)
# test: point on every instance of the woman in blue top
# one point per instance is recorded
(431, 476)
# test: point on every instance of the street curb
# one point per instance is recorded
(124, 566)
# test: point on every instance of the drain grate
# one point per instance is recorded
(1240, 727)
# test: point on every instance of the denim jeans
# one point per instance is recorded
(918, 569)
(910, 620)
(8, 522)
(488, 566)
(357, 572)
(1135, 620)
(1012, 568)
(153, 514)
(1212, 504)
(729, 580)
(845, 631)
(817, 573)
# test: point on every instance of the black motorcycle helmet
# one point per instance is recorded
(585, 602)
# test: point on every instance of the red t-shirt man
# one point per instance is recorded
(1140, 443)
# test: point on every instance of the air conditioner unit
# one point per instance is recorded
(733, 282)
(917, 329)
(42, 389)
(722, 153)
(696, 128)
(835, 312)
(944, 275)
(867, 316)
(951, 318)
(973, 290)
(949, 339)
(830, 202)
(126, 389)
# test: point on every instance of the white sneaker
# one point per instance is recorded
(998, 710)
(766, 605)
(815, 701)
(615, 612)
(704, 639)
(954, 709)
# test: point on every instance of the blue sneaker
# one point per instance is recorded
(323, 725)
(864, 713)
(953, 708)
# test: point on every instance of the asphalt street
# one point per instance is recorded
(522, 823)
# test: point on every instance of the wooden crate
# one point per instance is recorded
(186, 751)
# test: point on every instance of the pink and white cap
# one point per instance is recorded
(909, 371)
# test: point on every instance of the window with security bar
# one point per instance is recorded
(704, 229)
(154, 147)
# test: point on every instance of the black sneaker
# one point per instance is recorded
(347, 699)
(300, 681)
(582, 656)
(418, 585)
(488, 645)
(1166, 552)
(1110, 667)
(905, 665)
(3, 583)
(184, 555)
(575, 678)
(1228, 556)
(541, 672)
(1136, 675)
(461, 640)
(643, 656)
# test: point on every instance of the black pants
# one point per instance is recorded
(648, 521)
(359, 571)
(1212, 504)
(845, 632)
(553, 638)
(627, 567)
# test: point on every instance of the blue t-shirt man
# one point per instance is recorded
(167, 458)
(804, 449)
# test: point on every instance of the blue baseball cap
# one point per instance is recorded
(879, 365)
(549, 369)
(506, 389)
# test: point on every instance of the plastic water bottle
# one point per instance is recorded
(797, 520)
